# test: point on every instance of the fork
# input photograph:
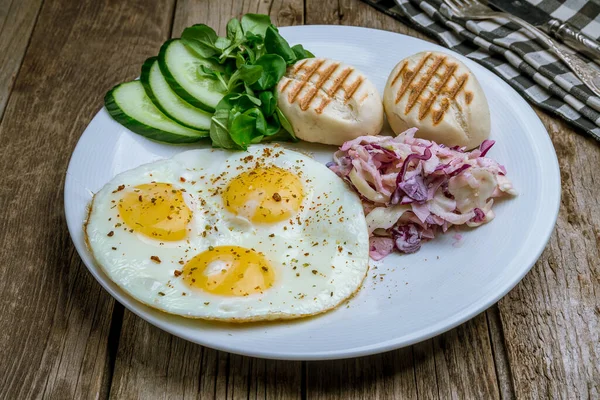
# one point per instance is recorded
(474, 10)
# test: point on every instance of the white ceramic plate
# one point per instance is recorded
(413, 297)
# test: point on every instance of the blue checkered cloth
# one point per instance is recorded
(512, 54)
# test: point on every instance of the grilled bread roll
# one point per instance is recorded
(440, 96)
(329, 102)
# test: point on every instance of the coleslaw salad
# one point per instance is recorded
(414, 188)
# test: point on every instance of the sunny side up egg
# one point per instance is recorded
(231, 236)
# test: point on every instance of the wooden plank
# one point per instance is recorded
(551, 320)
(216, 13)
(425, 370)
(440, 368)
(464, 363)
(55, 318)
(443, 367)
(17, 18)
(503, 371)
(155, 373)
(154, 364)
(389, 375)
(355, 13)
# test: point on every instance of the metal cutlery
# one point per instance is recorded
(544, 21)
(474, 10)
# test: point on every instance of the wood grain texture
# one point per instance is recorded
(153, 373)
(17, 18)
(152, 364)
(464, 363)
(503, 370)
(216, 13)
(551, 320)
(59, 333)
(56, 319)
(455, 365)
(354, 13)
(382, 376)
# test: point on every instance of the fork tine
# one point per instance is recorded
(458, 4)
(453, 5)
(455, 10)
(457, 7)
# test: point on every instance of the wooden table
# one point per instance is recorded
(63, 336)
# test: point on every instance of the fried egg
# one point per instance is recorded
(231, 236)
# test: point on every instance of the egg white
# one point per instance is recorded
(329, 247)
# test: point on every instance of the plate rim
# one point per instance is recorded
(443, 325)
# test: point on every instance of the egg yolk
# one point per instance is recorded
(229, 271)
(156, 210)
(264, 195)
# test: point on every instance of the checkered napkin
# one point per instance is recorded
(511, 53)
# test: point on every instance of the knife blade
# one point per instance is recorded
(544, 21)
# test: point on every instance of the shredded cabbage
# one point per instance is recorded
(412, 188)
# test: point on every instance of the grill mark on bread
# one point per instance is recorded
(323, 77)
(339, 81)
(460, 82)
(418, 89)
(426, 107)
(306, 100)
(352, 89)
(399, 73)
(409, 76)
(323, 104)
(285, 85)
(438, 115)
(300, 65)
(305, 78)
(415, 92)
(469, 97)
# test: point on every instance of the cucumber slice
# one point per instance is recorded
(179, 66)
(168, 102)
(129, 105)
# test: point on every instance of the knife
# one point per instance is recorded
(540, 19)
